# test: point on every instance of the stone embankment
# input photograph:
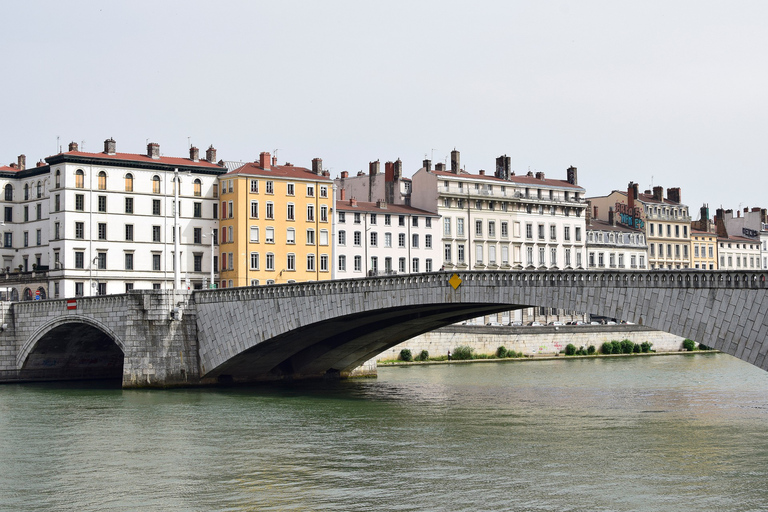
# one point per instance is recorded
(531, 341)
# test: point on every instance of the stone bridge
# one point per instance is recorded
(330, 328)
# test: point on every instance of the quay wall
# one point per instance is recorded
(531, 341)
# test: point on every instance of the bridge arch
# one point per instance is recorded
(72, 348)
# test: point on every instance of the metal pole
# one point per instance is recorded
(176, 234)
(211, 285)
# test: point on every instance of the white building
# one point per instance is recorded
(390, 186)
(382, 239)
(102, 223)
(613, 246)
(753, 225)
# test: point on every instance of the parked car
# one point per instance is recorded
(495, 324)
(535, 324)
(556, 323)
(516, 324)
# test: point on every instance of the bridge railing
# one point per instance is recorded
(603, 278)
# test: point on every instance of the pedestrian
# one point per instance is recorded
(449, 355)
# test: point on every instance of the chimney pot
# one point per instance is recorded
(210, 154)
(440, 166)
(381, 204)
(153, 150)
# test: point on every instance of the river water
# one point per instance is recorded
(670, 433)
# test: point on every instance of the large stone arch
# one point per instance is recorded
(310, 329)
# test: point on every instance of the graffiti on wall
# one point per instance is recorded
(630, 217)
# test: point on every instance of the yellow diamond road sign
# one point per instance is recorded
(455, 281)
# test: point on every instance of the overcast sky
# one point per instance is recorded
(665, 93)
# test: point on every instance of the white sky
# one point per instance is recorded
(663, 92)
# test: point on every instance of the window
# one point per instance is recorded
(290, 236)
(58, 178)
(155, 262)
(578, 234)
(541, 231)
(290, 212)
(323, 237)
(552, 232)
(254, 261)
(323, 263)
(323, 191)
(415, 241)
(198, 210)
(428, 265)
(198, 187)
(387, 239)
(290, 189)
(57, 203)
(155, 233)
(270, 261)
(39, 237)
(478, 228)
(323, 213)
(155, 184)
(401, 240)
(358, 263)
(291, 262)
(270, 189)
(357, 218)
(26, 239)
(254, 186)
(415, 221)
(310, 212)
(9, 214)
(446, 226)
(231, 210)
(79, 181)
(102, 205)
(79, 230)
(101, 261)
(129, 232)
(428, 241)
(26, 213)
(102, 230)
(310, 262)
(310, 191)
(342, 263)
(374, 239)
(491, 254)
(270, 211)
(478, 254)
(415, 265)
(342, 237)
(374, 264)
(269, 235)
(310, 237)
(254, 209)
(79, 259)
(505, 230)
(460, 253)
(215, 190)
(447, 252)
(529, 231)
(128, 205)
(342, 218)
(357, 239)
(460, 226)
(491, 228)
(129, 182)
(198, 235)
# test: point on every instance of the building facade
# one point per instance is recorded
(103, 223)
(751, 224)
(390, 186)
(276, 224)
(613, 246)
(383, 239)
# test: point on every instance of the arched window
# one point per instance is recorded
(155, 184)
(102, 180)
(198, 188)
(129, 182)
(26, 191)
(27, 294)
(39, 189)
(79, 178)
(58, 178)
(8, 192)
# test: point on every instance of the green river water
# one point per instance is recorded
(671, 433)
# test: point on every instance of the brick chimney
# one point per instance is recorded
(40, 163)
(153, 150)
(720, 223)
(374, 167)
(342, 194)
(427, 164)
(352, 202)
(631, 196)
(110, 146)
(22, 162)
(194, 154)
(73, 146)
(274, 161)
(611, 217)
(572, 175)
(673, 194)
(658, 193)
(265, 161)
(481, 172)
(455, 162)
(389, 171)
(440, 166)
(540, 176)
(210, 154)
(503, 164)
(381, 204)
(344, 174)
(398, 169)
(317, 166)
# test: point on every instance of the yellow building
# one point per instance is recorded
(275, 224)
(703, 250)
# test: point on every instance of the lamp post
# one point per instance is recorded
(176, 234)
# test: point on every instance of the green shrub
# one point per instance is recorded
(635, 348)
(423, 356)
(616, 347)
(463, 352)
(570, 349)
(689, 345)
(591, 350)
(645, 347)
(704, 347)
(626, 346)
(606, 348)
(405, 355)
(581, 352)
(501, 352)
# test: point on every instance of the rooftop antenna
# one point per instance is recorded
(274, 153)
(82, 145)
(57, 144)
(189, 141)
(432, 157)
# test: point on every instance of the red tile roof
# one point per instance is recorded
(364, 206)
(279, 171)
(7, 168)
(131, 157)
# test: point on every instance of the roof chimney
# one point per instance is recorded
(352, 202)
(110, 146)
(455, 162)
(503, 164)
(342, 194)
(344, 174)
(540, 176)
(658, 193)
(153, 150)
(398, 169)
(611, 217)
(631, 196)
(373, 168)
(594, 212)
(73, 146)
(427, 164)
(210, 154)
(381, 204)
(22, 162)
(481, 172)
(440, 166)
(40, 163)
(673, 194)
(572, 176)
(264, 161)
(317, 166)
(194, 154)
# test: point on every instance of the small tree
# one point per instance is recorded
(689, 345)
(501, 352)
(463, 352)
(570, 349)
(423, 356)
(405, 355)
(606, 348)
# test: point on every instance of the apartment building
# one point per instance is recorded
(103, 223)
(390, 186)
(383, 239)
(613, 246)
(752, 224)
(276, 223)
